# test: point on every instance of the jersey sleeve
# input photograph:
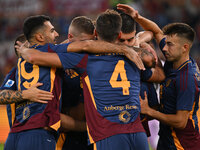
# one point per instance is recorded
(73, 61)
(146, 74)
(162, 44)
(185, 86)
(9, 82)
(59, 48)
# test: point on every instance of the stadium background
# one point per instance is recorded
(13, 12)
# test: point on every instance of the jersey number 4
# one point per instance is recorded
(124, 83)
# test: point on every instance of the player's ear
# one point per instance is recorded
(70, 36)
(119, 36)
(186, 47)
(95, 32)
(39, 37)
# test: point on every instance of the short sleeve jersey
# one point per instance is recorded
(111, 86)
(180, 91)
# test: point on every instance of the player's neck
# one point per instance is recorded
(36, 43)
(100, 39)
(181, 61)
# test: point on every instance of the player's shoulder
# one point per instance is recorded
(9, 80)
(188, 68)
(11, 74)
(187, 74)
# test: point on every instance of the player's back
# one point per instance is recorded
(115, 84)
(30, 115)
(111, 86)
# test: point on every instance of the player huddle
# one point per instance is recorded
(109, 92)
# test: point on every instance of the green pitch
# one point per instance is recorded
(1, 146)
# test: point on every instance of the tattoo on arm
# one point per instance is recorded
(10, 96)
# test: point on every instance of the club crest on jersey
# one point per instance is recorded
(168, 82)
(9, 83)
(124, 116)
(26, 113)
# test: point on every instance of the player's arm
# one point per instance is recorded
(143, 37)
(70, 124)
(37, 57)
(32, 94)
(92, 46)
(157, 73)
(157, 76)
(178, 120)
(65, 41)
(144, 22)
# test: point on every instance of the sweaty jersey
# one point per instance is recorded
(111, 86)
(180, 91)
(10, 84)
(31, 115)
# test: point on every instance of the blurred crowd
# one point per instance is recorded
(13, 13)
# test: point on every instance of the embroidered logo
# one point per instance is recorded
(124, 116)
(168, 82)
(26, 113)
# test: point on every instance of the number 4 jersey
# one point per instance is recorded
(111, 85)
(31, 115)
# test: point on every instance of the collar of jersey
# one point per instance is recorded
(34, 46)
(185, 63)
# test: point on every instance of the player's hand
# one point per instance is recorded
(70, 72)
(134, 57)
(128, 10)
(144, 104)
(21, 47)
(36, 95)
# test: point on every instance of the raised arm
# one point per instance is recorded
(143, 37)
(144, 22)
(32, 94)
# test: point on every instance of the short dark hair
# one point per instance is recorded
(180, 29)
(108, 25)
(128, 24)
(83, 24)
(20, 38)
(32, 24)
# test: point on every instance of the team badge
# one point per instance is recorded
(9, 83)
(168, 82)
(26, 113)
(124, 116)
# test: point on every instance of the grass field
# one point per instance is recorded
(1, 146)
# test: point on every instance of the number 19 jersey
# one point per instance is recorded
(31, 115)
